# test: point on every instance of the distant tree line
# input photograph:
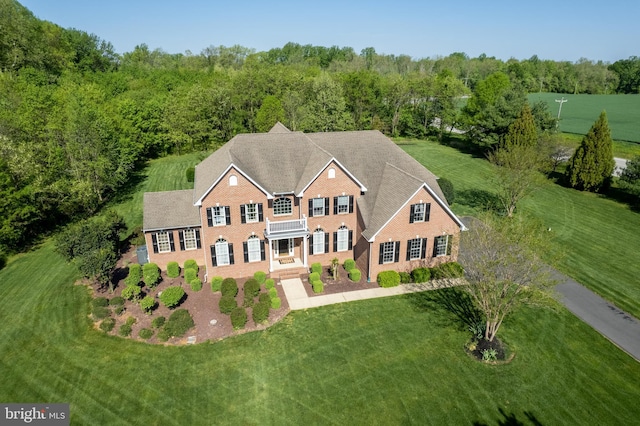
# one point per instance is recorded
(77, 119)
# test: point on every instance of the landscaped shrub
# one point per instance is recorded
(260, 312)
(100, 301)
(447, 189)
(238, 318)
(405, 277)
(269, 283)
(173, 270)
(447, 270)
(388, 279)
(150, 274)
(273, 292)
(251, 287)
(318, 286)
(131, 321)
(227, 304)
(264, 297)
(355, 275)
(316, 267)
(276, 302)
(229, 287)
(145, 333)
(116, 301)
(118, 309)
(100, 312)
(195, 284)
(421, 275)
(314, 276)
(190, 174)
(172, 296)
(131, 292)
(349, 264)
(216, 283)
(260, 277)
(190, 275)
(157, 322)
(177, 325)
(191, 264)
(124, 330)
(147, 304)
(134, 276)
(107, 324)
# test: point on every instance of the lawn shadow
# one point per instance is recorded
(510, 419)
(478, 199)
(454, 300)
(130, 187)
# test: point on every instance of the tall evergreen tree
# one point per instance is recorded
(523, 130)
(592, 164)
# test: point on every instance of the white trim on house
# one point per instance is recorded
(344, 169)
(231, 166)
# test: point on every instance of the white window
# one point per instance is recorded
(164, 245)
(190, 242)
(420, 212)
(343, 239)
(343, 204)
(332, 173)
(441, 245)
(233, 180)
(318, 207)
(318, 241)
(218, 216)
(415, 249)
(388, 252)
(222, 252)
(251, 213)
(282, 206)
(253, 249)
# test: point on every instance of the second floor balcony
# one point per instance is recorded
(286, 228)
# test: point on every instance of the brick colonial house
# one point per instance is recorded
(279, 201)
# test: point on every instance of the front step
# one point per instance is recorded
(285, 274)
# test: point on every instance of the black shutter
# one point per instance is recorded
(214, 261)
(181, 238)
(427, 211)
(262, 253)
(154, 241)
(310, 207)
(326, 241)
(227, 214)
(209, 217)
(326, 206)
(350, 240)
(350, 203)
(435, 246)
(173, 246)
(245, 249)
(260, 215)
(335, 242)
(408, 250)
(335, 205)
(380, 261)
(413, 210)
(423, 252)
(311, 244)
(397, 255)
(198, 244)
(230, 253)
(243, 218)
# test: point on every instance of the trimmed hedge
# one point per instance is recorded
(124, 330)
(107, 324)
(131, 292)
(229, 287)
(190, 275)
(260, 277)
(314, 276)
(355, 275)
(276, 302)
(178, 324)
(145, 333)
(191, 264)
(447, 270)
(148, 303)
(172, 296)
(318, 286)
(173, 270)
(99, 301)
(405, 277)
(150, 274)
(264, 297)
(420, 275)
(190, 173)
(216, 283)
(273, 292)
(349, 264)
(158, 322)
(260, 312)
(251, 288)
(116, 301)
(135, 275)
(316, 267)
(388, 279)
(227, 304)
(100, 312)
(238, 318)
(269, 283)
(195, 284)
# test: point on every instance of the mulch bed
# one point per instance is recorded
(341, 285)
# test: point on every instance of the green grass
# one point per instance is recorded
(597, 237)
(581, 111)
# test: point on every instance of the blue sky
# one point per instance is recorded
(551, 29)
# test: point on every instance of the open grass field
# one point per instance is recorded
(596, 237)
(581, 111)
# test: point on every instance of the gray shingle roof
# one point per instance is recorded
(169, 210)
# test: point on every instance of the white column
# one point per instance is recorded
(270, 257)
(305, 249)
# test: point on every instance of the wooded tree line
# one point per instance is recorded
(77, 119)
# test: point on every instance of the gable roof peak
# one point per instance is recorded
(279, 128)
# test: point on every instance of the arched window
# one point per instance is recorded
(253, 249)
(318, 241)
(342, 238)
(332, 173)
(222, 252)
(233, 180)
(282, 206)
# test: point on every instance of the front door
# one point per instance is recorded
(284, 247)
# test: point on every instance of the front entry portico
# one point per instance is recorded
(287, 240)
(283, 247)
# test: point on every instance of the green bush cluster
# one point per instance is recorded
(388, 279)
(251, 288)
(355, 275)
(276, 302)
(264, 297)
(216, 283)
(177, 325)
(260, 312)
(318, 286)
(173, 270)
(116, 301)
(100, 312)
(316, 267)
(147, 304)
(227, 304)
(269, 283)
(229, 287)
(190, 174)
(238, 318)
(132, 292)
(273, 292)
(447, 270)
(135, 275)
(405, 277)
(107, 324)
(145, 333)
(124, 330)
(158, 322)
(191, 264)
(421, 275)
(314, 276)
(150, 274)
(172, 296)
(260, 277)
(131, 320)
(195, 284)
(349, 264)
(99, 301)
(190, 275)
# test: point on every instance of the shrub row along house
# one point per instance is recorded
(281, 200)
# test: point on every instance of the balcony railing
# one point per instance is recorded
(286, 227)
